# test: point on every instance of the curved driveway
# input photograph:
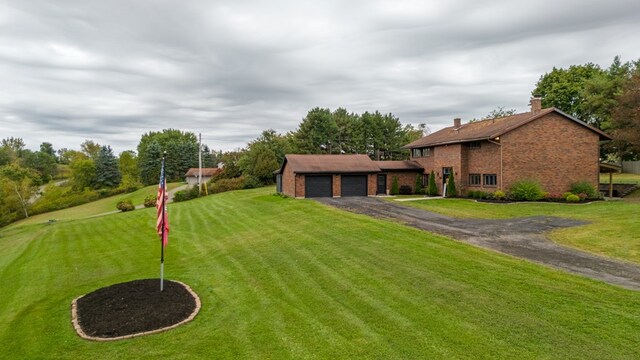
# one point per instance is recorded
(521, 237)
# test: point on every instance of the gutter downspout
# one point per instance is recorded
(500, 145)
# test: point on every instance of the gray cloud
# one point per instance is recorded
(111, 71)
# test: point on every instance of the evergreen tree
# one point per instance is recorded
(150, 163)
(107, 172)
(433, 188)
(451, 186)
(419, 188)
(395, 187)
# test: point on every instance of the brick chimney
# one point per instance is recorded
(456, 123)
(536, 104)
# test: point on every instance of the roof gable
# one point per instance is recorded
(205, 171)
(492, 128)
(306, 164)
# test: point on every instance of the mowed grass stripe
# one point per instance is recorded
(282, 278)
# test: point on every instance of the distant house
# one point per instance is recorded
(207, 173)
(546, 145)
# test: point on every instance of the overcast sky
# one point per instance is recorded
(112, 70)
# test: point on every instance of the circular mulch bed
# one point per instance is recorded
(133, 308)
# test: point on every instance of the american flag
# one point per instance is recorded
(162, 225)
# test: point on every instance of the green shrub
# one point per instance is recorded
(451, 186)
(432, 190)
(150, 201)
(419, 188)
(187, 194)
(405, 190)
(222, 185)
(499, 195)
(573, 198)
(125, 205)
(471, 194)
(395, 188)
(526, 190)
(584, 187)
(565, 195)
(251, 182)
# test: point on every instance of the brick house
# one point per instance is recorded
(309, 176)
(546, 145)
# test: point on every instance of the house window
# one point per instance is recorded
(473, 145)
(474, 179)
(490, 180)
(417, 153)
(426, 152)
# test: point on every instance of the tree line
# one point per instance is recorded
(606, 98)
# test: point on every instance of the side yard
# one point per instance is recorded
(613, 229)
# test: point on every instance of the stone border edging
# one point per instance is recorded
(81, 333)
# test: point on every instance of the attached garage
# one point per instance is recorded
(332, 175)
(353, 185)
(318, 186)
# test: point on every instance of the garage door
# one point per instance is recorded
(353, 185)
(317, 186)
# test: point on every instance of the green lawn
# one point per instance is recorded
(284, 278)
(614, 229)
(622, 178)
(96, 207)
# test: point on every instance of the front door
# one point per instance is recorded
(382, 184)
(446, 171)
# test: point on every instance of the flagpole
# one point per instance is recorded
(164, 205)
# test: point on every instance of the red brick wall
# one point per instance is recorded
(485, 160)
(553, 150)
(288, 181)
(404, 178)
(337, 185)
(299, 186)
(443, 156)
(372, 184)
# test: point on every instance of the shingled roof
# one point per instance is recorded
(205, 171)
(490, 129)
(398, 165)
(316, 164)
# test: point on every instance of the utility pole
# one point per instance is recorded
(199, 163)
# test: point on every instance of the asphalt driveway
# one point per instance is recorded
(521, 237)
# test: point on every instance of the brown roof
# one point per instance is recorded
(398, 165)
(489, 129)
(205, 171)
(306, 164)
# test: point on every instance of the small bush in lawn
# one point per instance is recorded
(566, 194)
(125, 205)
(573, 198)
(499, 195)
(526, 190)
(432, 190)
(405, 190)
(584, 187)
(395, 188)
(150, 201)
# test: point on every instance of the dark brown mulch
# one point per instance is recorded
(133, 307)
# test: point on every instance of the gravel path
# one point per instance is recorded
(521, 237)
